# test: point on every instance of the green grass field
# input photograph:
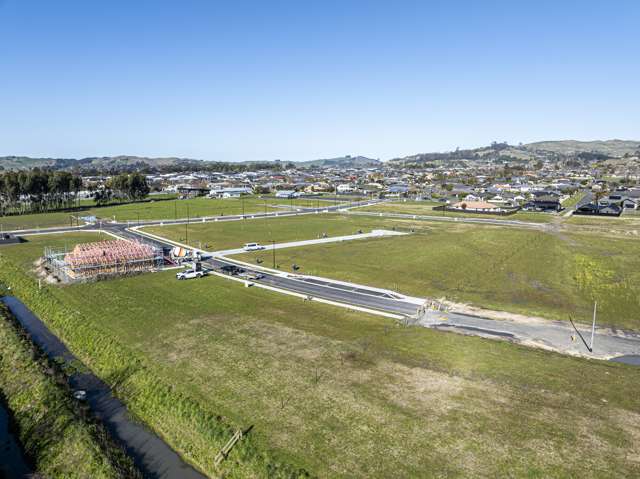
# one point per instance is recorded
(426, 208)
(350, 395)
(161, 208)
(345, 394)
(521, 271)
(233, 234)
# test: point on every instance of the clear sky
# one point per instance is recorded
(300, 80)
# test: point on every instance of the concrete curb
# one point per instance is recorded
(310, 298)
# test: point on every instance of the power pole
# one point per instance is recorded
(186, 227)
(274, 253)
(593, 326)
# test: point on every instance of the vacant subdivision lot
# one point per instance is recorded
(157, 209)
(233, 234)
(344, 394)
(553, 275)
(426, 208)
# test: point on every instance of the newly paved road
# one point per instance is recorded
(547, 334)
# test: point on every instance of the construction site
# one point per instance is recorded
(101, 260)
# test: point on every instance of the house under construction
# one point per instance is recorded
(103, 259)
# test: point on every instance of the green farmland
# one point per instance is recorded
(345, 394)
(162, 208)
(521, 271)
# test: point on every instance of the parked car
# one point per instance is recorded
(253, 247)
(190, 274)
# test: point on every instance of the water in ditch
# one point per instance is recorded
(151, 455)
(13, 464)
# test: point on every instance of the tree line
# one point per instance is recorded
(41, 191)
(123, 187)
(37, 191)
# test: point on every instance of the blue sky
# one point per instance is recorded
(299, 80)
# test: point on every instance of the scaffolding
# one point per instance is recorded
(103, 259)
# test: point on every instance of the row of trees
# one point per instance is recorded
(38, 191)
(124, 187)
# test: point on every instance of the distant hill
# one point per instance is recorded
(131, 163)
(341, 162)
(105, 163)
(547, 150)
(615, 148)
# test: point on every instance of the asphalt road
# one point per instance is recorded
(548, 334)
(360, 296)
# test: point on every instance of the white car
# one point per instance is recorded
(190, 274)
(253, 247)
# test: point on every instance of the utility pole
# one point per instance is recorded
(274, 253)
(242, 198)
(593, 326)
(186, 227)
(175, 209)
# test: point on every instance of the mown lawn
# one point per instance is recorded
(522, 271)
(161, 208)
(233, 234)
(345, 394)
(426, 208)
(574, 199)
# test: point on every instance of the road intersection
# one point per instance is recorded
(552, 335)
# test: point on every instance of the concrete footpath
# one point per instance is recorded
(552, 335)
(334, 239)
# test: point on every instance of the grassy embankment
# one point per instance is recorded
(155, 209)
(426, 208)
(342, 394)
(522, 271)
(52, 427)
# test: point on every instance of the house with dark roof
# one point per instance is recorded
(596, 209)
(545, 202)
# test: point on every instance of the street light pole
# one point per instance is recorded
(186, 227)
(593, 326)
(274, 253)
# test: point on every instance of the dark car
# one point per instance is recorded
(231, 269)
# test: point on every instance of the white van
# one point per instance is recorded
(252, 247)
